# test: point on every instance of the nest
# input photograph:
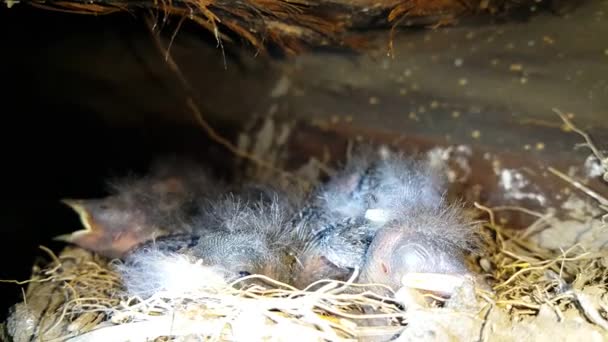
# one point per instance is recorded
(292, 26)
(531, 291)
(78, 297)
(93, 308)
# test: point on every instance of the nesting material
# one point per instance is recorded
(293, 25)
(94, 307)
(535, 294)
(525, 290)
(65, 297)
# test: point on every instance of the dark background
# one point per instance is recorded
(55, 147)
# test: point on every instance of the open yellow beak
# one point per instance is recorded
(79, 207)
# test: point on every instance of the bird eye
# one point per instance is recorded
(244, 274)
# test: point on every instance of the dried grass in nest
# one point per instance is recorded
(71, 293)
(83, 301)
(525, 276)
(94, 307)
(539, 294)
(527, 279)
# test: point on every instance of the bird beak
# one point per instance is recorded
(442, 284)
(85, 218)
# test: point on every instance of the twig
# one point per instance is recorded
(599, 198)
(484, 325)
(150, 329)
(211, 132)
(265, 278)
(487, 210)
(596, 152)
(23, 282)
(516, 208)
(51, 254)
(588, 142)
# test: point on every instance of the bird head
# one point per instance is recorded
(111, 226)
(398, 257)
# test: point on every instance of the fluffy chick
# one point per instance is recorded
(234, 238)
(416, 230)
(431, 239)
(138, 209)
(389, 203)
(334, 218)
(371, 180)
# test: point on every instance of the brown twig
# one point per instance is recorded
(210, 131)
(591, 193)
(588, 142)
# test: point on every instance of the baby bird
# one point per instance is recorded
(386, 216)
(162, 202)
(416, 229)
(235, 237)
(335, 219)
(372, 180)
(428, 240)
